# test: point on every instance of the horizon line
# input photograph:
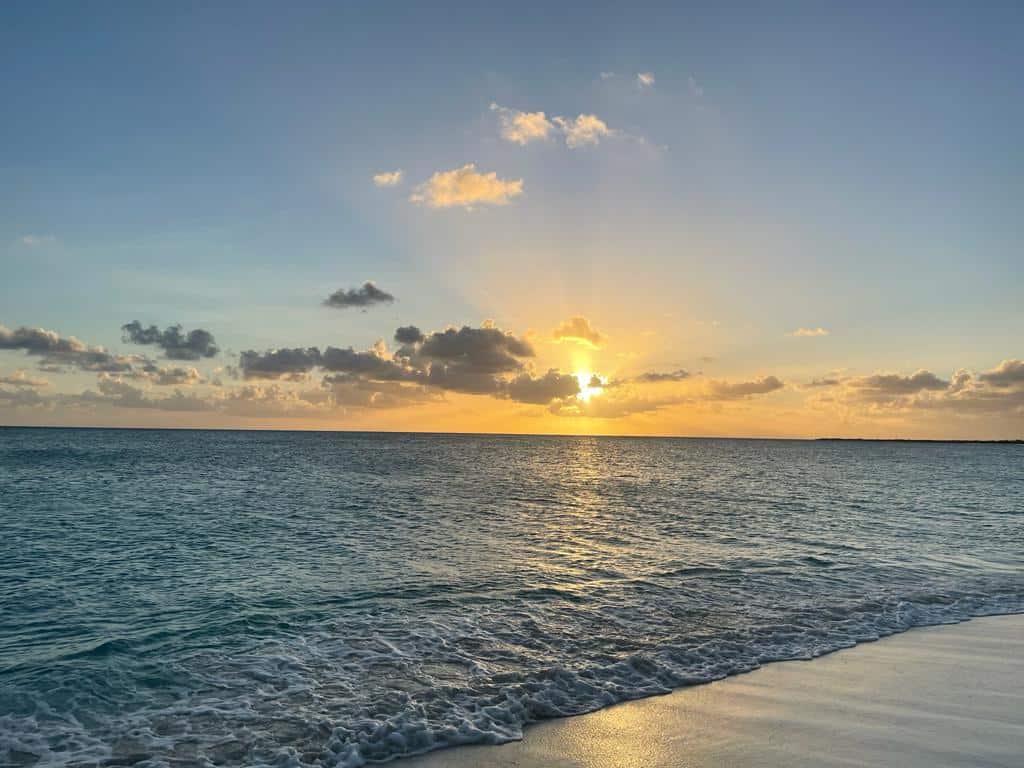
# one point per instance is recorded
(1009, 441)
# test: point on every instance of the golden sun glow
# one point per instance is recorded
(587, 382)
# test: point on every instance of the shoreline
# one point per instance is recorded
(940, 695)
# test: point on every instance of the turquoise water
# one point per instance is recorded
(238, 598)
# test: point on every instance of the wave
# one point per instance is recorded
(278, 718)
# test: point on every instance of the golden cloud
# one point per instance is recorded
(523, 127)
(464, 187)
(579, 330)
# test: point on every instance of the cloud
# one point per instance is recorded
(694, 87)
(579, 330)
(1009, 373)
(809, 332)
(996, 391)
(607, 75)
(365, 296)
(882, 385)
(470, 360)
(464, 359)
(723, 390)
(114, 391)
(176, 345)
(409, 334)
(21, 378)
(624, 397)
(645, 80)
(21, 397)
(486, 349)
(611, 407)
(172, 377)
(275, 363)
(358, 393)
(56, 351)
(274, 401)
(542, 390)
(388, 178)
(371, 364)
(464, 187)
(38, 241)
(523, 127)
(585, 130)
(481, 361)
(656, 377)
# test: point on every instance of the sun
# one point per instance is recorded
(590, 385)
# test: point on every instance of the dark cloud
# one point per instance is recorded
(481, 350)
(541, 391)
(368, 295)
(368, 365)
(175, 344)
(57, 352)
(480, 361)
(654, 377)
(1009, 373)
(895, 384)
(276, 363)
(463, 378)
(724, 390)
(409, 334)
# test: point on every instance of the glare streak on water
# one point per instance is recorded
(232, 598)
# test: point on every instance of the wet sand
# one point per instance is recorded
(936, 696)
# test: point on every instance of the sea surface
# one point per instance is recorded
(190, 598)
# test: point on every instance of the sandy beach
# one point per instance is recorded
(937, 696)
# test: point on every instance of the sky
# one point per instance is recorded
(721, 219)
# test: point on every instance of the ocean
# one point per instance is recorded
(202, 598)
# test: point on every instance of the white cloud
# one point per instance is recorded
(694, 86)
(388, 178)
(38, 241)
(607, 75)
(464, 187)
(584, 130)
(645, 79)
(522, 127)
(809, 332)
